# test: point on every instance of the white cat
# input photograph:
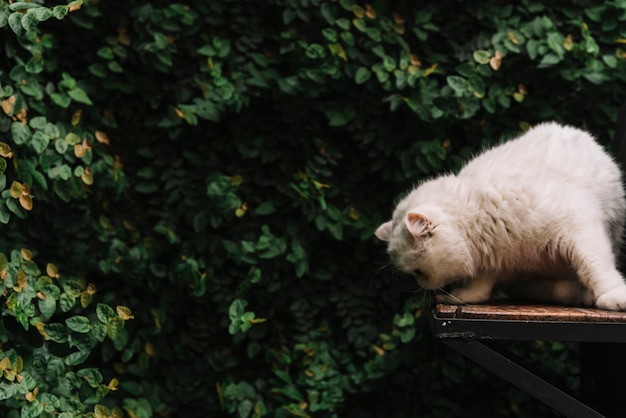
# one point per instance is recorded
(544, 211)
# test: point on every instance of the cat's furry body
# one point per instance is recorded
(545, 211)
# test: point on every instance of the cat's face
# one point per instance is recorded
(429, 247)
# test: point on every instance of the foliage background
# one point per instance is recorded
(219, 167)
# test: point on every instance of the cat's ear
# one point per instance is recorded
(384, 231)
(418, 225)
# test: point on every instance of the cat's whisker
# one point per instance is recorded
(450, 297)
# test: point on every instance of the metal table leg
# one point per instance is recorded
(503, 365)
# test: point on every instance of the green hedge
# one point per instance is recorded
(202, 180)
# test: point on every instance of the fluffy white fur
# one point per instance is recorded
(544, 211)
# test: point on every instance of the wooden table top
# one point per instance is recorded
(527, 312)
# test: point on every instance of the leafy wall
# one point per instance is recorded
(218, 167)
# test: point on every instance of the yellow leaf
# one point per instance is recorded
(124, 313)
(19, 364)
(430, 70)
(122, 36)
(16, 190)
(91, 289)
(369, 11)
(496, 61)
(149, 349)
(5, 364)
(8, 104)
(85, 299)
(87, 178)
(353, 213)
(22, 280)
(52, 271)
(31, 396)
(113, 384)
(568, 44)
(75, 5)
(79, 150)
(76, 117)
(26, 254)
(102, 138)
(41, 328)
(101, 411)
(26, 202)
(379, 350)
(321, 185)
(5, 150)
(358, 11)
(415, 61)
(10, 375)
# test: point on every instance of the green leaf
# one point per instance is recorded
(32, 410)
(328, 11)
(76, 358)
(29, 21)
(115, 326)
(15, 23)
(340, 118)
(79, 95)
(66, 302)
(91, 375)
(104, 313)
(38, 122)
(47, 307)
(20, 133)
(362, 75)
(61, 99)
(265, 208)
(7, 390)
(72, 288)
(41, 13)
(40, 142)
(64, 172)
(78, 323)
(99, 331)
(549, 60)
(60, 12)
(14, 208)
(56, 332)
(482, 57)
(458, 84)
(23, 5)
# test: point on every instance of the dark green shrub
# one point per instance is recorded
(219, 167)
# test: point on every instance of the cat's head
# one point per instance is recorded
(427, 244)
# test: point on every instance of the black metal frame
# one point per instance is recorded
(476, 339)
(498, 329)
(601, 351)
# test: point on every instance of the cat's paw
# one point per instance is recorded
(613, 300)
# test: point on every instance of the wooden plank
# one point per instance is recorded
(517, 312)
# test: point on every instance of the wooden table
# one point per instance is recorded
(473, 330)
